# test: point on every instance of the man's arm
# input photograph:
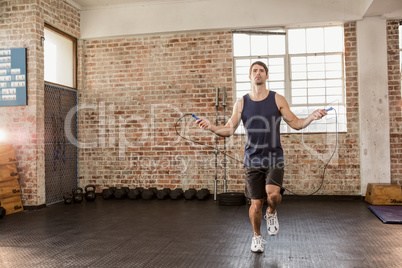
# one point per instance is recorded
(231, 125)
(291, 119)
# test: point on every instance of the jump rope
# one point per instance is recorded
(235, 159)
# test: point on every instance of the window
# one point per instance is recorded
(60, 58)
(305, 65)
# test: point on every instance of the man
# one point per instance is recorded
(261, 111)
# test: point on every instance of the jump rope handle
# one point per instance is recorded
(196, 118)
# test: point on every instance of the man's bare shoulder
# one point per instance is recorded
(280, 101)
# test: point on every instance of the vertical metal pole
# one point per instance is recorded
(216, 144)
(224, 140)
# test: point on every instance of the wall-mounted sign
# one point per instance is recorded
(13, 77)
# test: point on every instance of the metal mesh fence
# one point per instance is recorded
(60, 152)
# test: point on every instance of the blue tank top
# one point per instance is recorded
(261, 120)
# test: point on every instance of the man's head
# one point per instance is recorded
(259, 63)
(258, 73)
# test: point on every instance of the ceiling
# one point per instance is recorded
(96, 4)
(376, 7)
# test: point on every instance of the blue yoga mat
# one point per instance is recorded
(388, 214)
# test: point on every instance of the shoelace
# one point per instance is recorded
(259, 239)
(271, 219)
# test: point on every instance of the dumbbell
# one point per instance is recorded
(134, 193)
(78, 194)
(3, 212)
(120, 193)
(190, 194)
(163, 194)
(68, 198)
(107, 193)
(90, 194)
(148, 194)
(203, 194)
(176, 193)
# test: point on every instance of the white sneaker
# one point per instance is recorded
(272, 223)
(257, 244)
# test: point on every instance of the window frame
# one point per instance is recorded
(285, 129)
(75, 56)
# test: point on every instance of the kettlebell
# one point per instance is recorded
(68, 198)
(78, 194)
(90, 194)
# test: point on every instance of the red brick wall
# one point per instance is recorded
(137, 87)
(21, 25)
(307, 154)
(395, 102)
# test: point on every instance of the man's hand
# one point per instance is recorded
(318, 114)
(204, 124)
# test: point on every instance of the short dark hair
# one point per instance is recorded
(259, 63)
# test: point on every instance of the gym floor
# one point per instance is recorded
(314, 232)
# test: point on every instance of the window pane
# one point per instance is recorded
(331, 99)
(298, 60)
(298, 76)
(241, 45)
(316, 75)
(243, 86)
(334, 74)
(316, 99)
(315, 40)
(297, 41)
(259, 45)
(299, 68)
(299, 84)
(277, 76)
(315, 59)
(242, 78)
(245, 63)
(316, 83)
(333, 39)
(334, 58)
(276, 44)
(333, 67)
(316, 91)
(59, 59)
(275, 61)
(299, 100)
(242, 70)
(334, 91)
(275, 69)
(315, 67)
(276, 85)
(300, 92)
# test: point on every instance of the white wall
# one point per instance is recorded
(214, 14)
(375, 162)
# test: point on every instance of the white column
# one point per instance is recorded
(375, 160)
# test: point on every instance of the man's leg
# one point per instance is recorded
(255, 214)
(255, 187)
(274, 197)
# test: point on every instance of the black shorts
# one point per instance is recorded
(258, 177)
